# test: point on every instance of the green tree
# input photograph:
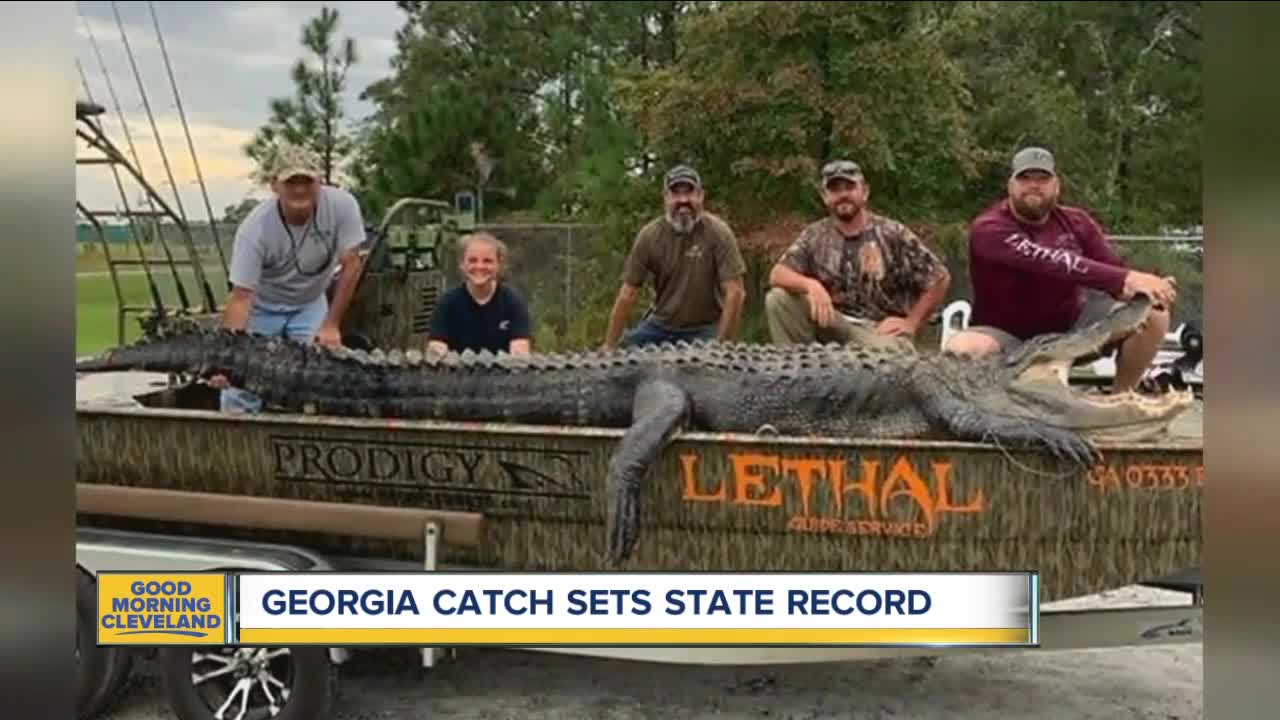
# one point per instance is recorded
(764, 93)
(236, 213)
(1113, 88)
(313, 117)
(528, 82)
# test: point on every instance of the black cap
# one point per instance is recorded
(682, 174)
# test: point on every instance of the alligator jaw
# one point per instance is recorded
(1131, 417)
(1029, 398)
(1039, 389)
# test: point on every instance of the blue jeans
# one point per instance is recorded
(649, 332)
(298, 323)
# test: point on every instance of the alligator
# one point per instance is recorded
(1017, 400)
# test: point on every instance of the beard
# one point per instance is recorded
(1032, 206)
(682, 218)
(846, 210)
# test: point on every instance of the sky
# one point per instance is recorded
(228, 59)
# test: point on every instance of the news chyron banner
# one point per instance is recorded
(573, 609)
(158, 609)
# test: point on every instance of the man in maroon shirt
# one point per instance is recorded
(1040, 267)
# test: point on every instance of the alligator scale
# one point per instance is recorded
(1017, 402)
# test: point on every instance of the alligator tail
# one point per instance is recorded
(192, 353)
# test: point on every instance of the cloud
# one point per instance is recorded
(228, 61)
(222, 164)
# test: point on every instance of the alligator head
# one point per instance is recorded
(1034, 385)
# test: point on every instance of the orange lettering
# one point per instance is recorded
(745, 477)
(1153, 477)
(912, 486)
(866, 486)
(688, 469)
(1095, 475)
(804, 470)
(942, 471)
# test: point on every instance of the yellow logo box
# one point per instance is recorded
(157, 609)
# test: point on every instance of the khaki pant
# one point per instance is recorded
(789, 323)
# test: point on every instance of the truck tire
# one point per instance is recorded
(100, 671)
(300, 680)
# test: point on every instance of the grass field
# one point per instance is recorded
(97, 305)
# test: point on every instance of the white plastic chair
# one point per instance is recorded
(957, 308)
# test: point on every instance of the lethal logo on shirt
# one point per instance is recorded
(1059, 256)
(504, 324)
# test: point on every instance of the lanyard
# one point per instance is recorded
(295, 245)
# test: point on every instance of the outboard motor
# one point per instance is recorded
(1174, 373)
(1191, 338)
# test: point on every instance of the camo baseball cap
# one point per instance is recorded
(1032, 158)
(294, 160)
(682, 174)
(841, 170)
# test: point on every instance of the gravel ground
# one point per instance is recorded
(1163, 683)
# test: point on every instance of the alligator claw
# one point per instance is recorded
(1063, 445)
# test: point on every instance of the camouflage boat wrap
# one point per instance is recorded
(714, 502)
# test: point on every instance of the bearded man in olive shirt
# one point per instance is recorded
(697, 270)
(1041, 267)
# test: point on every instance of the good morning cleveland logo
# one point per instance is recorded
(161, 609)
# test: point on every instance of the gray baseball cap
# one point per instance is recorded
(1032, 158)
(682, 174)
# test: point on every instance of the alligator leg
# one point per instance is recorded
(658, 411)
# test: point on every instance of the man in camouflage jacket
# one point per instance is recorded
(854, 276)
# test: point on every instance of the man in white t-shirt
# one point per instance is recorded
(284, 258)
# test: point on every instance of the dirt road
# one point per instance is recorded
(1157, 683)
